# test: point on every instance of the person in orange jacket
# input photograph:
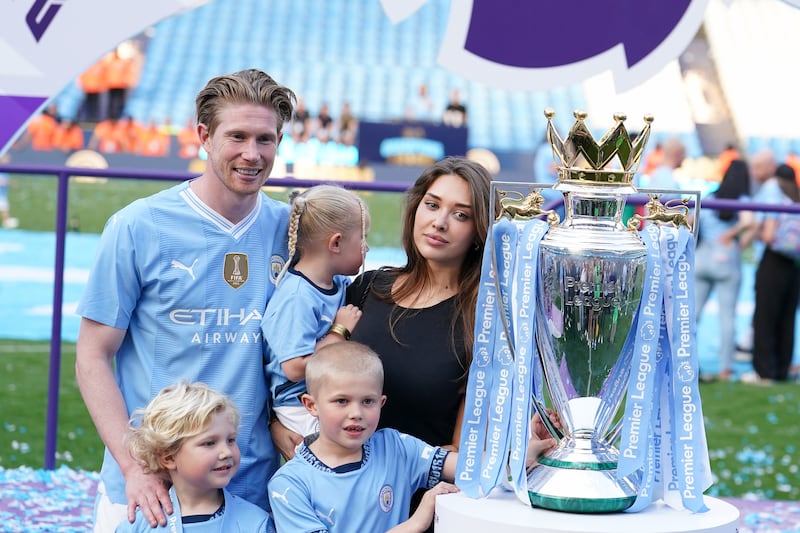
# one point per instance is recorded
(41, 129)
(93, 83)
(68, 136)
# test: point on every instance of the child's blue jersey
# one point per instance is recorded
(374, 495)
(239, 516)
(298, 315)
(191, 289)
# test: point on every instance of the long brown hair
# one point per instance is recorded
(416, 271)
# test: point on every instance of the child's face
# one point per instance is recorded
(207, 461)
(348, 408)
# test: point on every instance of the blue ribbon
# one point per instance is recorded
(476, 402)
(675, 466)
(688, 440)
(505, 237)
(637, 430)
(524, 294)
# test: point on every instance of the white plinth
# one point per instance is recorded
(504, 513)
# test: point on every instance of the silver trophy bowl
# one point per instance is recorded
(591, 277)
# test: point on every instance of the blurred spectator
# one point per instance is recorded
(119, 77)
(718, 262)
(131, 132)
(347, 125)
(93, 84)
(455, 114)
(653, 159)
(300, 127)
(68, 136)
(777, 287)
(41, 129)
(324, 122)
(730, 153)
(420, 107)
(663, 177)
(108, 137)
(794, 161)
(188, 140)
(152, 141)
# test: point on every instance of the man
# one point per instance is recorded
(776, 285)
(177, 291)
(762, 168)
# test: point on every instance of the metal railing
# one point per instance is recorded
(64, 173)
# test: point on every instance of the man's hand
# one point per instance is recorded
(284, 438)
(149, 493)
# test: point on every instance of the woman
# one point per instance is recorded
(718, 259)
(776, 296)
(420, 317)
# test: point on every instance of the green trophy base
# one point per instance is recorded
(580, 486)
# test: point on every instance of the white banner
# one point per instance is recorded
(46, 43)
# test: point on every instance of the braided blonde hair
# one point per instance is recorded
(318, 213)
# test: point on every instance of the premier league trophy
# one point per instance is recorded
(566, 310)
(576, 318)
(592, 274)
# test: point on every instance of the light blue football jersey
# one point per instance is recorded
(306, 495)
(298, 315)
(191, 289)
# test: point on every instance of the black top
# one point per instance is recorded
(424, 379)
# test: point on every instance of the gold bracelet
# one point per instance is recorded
(341, 330)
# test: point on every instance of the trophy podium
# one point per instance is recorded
(606, 297)
(502, 512)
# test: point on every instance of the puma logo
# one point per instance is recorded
(326, 517)
(189, 269)
(281, 496)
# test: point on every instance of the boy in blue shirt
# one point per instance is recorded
(187, 434)
(349, 477)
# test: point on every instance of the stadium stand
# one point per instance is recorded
(348, 50)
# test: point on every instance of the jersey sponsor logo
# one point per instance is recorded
(386, 498)
(276, 263)
(235, 269)
(220, 326)
(40, 16)
(214, 317)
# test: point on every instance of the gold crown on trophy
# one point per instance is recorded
(585, 160)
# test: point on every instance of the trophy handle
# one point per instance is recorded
(674, 211)
(515, 205)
